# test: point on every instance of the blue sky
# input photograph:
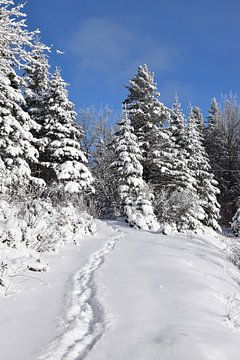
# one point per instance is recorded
(193, 47)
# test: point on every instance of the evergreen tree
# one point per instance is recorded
(179, 135)
(36, 81)
(144, 110)
(161, 159)
(176, 198)
(135, 197)
(199, 166)
(177, 121)
(63, 151)
(16, 148)
(215, 144)
(36, 87)
(214, 115)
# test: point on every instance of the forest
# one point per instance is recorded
(151, 166)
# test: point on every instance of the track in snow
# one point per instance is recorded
(84, 321)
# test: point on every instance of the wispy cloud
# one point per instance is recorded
(110, 48)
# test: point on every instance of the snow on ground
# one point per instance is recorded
(30, 317)
(168, 297)
(128, 294)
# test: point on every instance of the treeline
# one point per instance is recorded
(185, 168)
(44, 177)
(158, 167)
(39, 135)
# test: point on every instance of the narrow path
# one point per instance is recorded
(84, 320)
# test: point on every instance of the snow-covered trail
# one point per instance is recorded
(84, 319)
(128, 294)
(31, 319)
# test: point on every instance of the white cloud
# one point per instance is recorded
(104, 46)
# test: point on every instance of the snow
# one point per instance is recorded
(127, 294)
(171, 297)
(29, 317)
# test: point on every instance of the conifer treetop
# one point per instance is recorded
(214, 114)
(142, 100)
(37, 68)
(195, 116)
(142, 85)
(177, 118)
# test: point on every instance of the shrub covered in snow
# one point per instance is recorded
(178, 209)
(34, 226)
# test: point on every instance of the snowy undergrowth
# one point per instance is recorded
(29, 229)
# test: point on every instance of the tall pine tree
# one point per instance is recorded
(134, 195)
(36, 87)
(144, 110)
(198, 163)
(63, 153)
(174, 186)
(16, 143)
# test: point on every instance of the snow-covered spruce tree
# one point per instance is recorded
(63, 153)
(214, 115)
(200, 169)
(134, 195)
(214, 141)
(36, 86)
(179, 134)
(174, 187)
(144, 110)
(16, 142)
(167, 155)
(161, 158)
(36, 81)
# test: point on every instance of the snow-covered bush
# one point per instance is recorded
(73, 223)
(16, 255)
(30, 226)
(178, 209)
